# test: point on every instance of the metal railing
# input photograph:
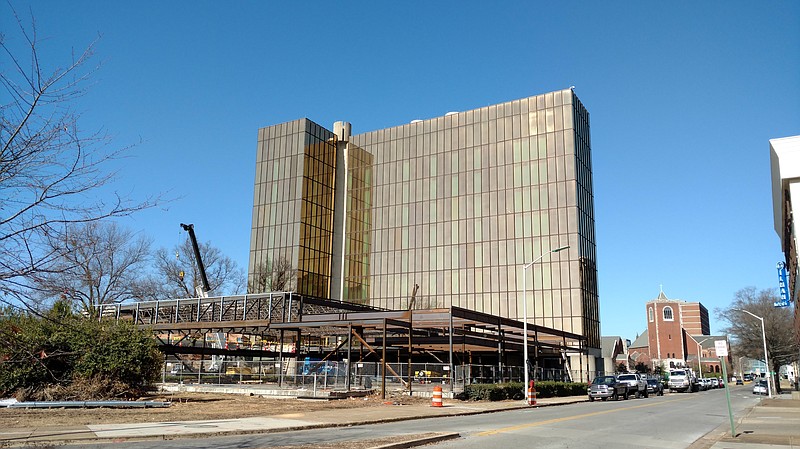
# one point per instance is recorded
(274, 307)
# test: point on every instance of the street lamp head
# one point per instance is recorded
(559, 249)
(750, 313)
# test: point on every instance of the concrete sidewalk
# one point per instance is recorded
(772, 423)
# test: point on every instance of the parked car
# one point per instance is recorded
(636, 384)
(604, 387)
(748, 377)
(655, 386)
(760, 387)
(720, 382)
(739, 381)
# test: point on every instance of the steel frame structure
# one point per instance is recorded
(438, 333)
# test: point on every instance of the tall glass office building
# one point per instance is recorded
(456, 204)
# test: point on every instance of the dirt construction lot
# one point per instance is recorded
(205, 406)
(186, 407)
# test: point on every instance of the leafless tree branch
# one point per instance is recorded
(178, 275)
(52, 173)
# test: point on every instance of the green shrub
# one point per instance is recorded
(553, 389)
(515, 391)
(63, 356)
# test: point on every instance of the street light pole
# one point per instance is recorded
(764, 338)
(700, 356)
(525, 317)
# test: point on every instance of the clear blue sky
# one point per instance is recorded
(683, 98)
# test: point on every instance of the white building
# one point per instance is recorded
(785, 165)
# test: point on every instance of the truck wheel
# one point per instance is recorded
(646, 394)
(591, 399)
(638, 394)
(614, 396)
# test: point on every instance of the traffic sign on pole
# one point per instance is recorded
(727, 392)
(721, 346)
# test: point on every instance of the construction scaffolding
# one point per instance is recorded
(283, 337)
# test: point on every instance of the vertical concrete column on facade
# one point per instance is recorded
(342, 131)
(587, 359)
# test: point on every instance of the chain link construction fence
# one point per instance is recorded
(332, 375)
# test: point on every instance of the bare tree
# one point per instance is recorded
(178, 275)
(99, 263)
(745, 331)
(52, 173)
(269, 276)
(261, 279)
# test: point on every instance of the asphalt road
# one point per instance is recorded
(670, 421)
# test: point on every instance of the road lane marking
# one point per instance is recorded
(570, 418)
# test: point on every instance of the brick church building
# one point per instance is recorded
(678, 335)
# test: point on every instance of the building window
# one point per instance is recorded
(668, 313)
(650, 314)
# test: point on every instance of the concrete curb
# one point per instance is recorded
(713, 436)
(419, 441)
(721, 432)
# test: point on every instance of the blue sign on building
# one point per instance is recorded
(783, 285)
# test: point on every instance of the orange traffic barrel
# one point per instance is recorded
(531, 399)
(436, 400)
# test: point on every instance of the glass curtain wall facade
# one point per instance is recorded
(358, 241)
(293, 203)
(460, 203)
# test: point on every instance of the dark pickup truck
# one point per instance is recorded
(604, 387)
